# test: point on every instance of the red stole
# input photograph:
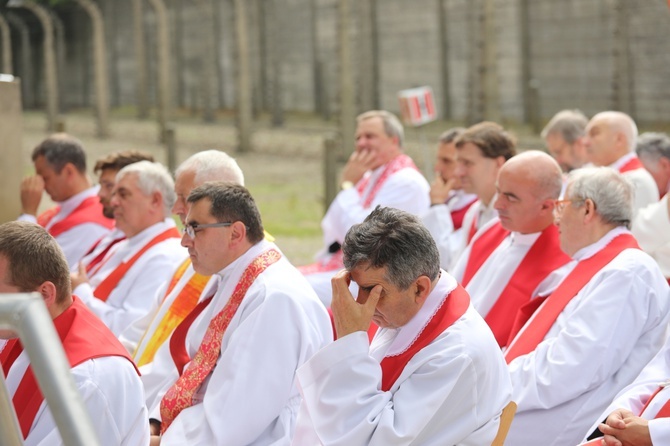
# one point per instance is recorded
(454, 306)
(101, 255)
(105, 288)
(541, 259)
(180, 395)
(482, 248)
(88, 211)
(400, 162)
(664, 411)
(180, 356)
(457, 217)
(632, 164)
(537, 328)
(83, 336)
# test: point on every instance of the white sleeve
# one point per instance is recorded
(587, 350)
(407, 191)
(651, 226)
(659, 429)
(440, 225)
(130, 337)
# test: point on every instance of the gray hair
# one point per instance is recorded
(610, 191)
(653, 146)
(620, 122)
(569, 124)
(450, 135)
(152, 177)
(396, 240)
(392, 125)
(212, 165)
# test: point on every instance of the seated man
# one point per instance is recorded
(448, 201)
(640, 413)
(107, 168)
(229, 368)
(611, 139)
(598, 328)
(77, 221)
(518, 256)
(175, 299)
(482, 150)
(433, 374)
(31, 260)
(120, 287)
(564, 137)
(382, 175)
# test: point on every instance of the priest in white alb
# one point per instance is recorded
(433, 373)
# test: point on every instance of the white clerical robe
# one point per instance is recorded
(438, 220)
(103, 245)
(77, 241)
(451, 392)
(112, 393)
(495, 273)
(636, 395)
(651, 228)
(598, 345)
(646, 191)
(250, 398)
(405, 189)
(132, 297)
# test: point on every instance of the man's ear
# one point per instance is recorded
(589, 210)
(238, 233)
(421, 289)
(49, 293)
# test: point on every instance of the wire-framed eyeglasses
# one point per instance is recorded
(191, 229)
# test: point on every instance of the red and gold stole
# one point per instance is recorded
(180, 395)
(632, 164)
(181, 306)
(83, 336)
(454, 306)
(541, 259)
(482, 248)
(88, 211)
(105, 288)
(537, 328)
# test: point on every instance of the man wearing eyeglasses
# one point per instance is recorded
(232, 361)
(598, 328)
(564, 137)
(178, 295)
(120, 287)
(516, 256)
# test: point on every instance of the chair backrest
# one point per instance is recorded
(505, 422)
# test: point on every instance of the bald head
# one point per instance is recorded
(528, 184)
(610, 135)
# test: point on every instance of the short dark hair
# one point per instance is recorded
(60, 149)
(491, 138)
(34, 257)
(396, 240)
(449, 136)
(231, 202)
(119, 160)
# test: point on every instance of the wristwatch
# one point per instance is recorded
(346, 185)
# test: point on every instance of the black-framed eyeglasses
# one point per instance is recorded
(191, 229)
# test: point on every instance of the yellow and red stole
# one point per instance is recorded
(182, 305)
(536, 329)
(84, 337)
(180, 395)
(88, 211)
(455, 305)
(105, 288)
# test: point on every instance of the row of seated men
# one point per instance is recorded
(234, 347)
